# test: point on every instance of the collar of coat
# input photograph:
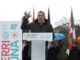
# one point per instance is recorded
(46, 21)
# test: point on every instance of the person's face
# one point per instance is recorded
(41, 16)
(52, 45)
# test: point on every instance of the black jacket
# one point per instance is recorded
(74, 54)
(52, 53)
(35, 26)
(25, 53)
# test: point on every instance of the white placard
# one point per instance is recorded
(38, 36)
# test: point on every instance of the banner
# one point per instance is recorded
(10, 40)
(38, 36)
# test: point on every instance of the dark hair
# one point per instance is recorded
(41, 12)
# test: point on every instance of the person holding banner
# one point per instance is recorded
(40, 25)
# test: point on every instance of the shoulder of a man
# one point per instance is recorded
(49, 24)
(35, 21)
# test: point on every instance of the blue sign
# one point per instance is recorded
(59, 36)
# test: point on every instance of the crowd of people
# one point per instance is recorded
(55, 52)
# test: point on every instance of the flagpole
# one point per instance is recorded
(33, 15)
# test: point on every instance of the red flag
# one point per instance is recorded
(49, 23)
(72, 35)
(48, 15)
(33, 15)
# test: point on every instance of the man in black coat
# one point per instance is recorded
(52, 52)
(40, 25)
(74, 53)
(25, 51)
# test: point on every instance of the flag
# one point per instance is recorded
(33, 15)
(72, 35)
(49, 23)
(48, 15)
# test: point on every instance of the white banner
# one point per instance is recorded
(38, 36)
(10, 40)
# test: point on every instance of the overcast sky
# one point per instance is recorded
(13, 10)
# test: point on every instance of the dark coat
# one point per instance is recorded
(25, 53)
(52, 54)
(74, 54)
(35, 26)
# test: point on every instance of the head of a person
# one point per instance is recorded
(41, 16)
(52, 45)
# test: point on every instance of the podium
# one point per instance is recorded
(38, 44)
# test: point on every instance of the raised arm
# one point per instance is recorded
(25, 22)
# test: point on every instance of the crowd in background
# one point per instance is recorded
(56, 51)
